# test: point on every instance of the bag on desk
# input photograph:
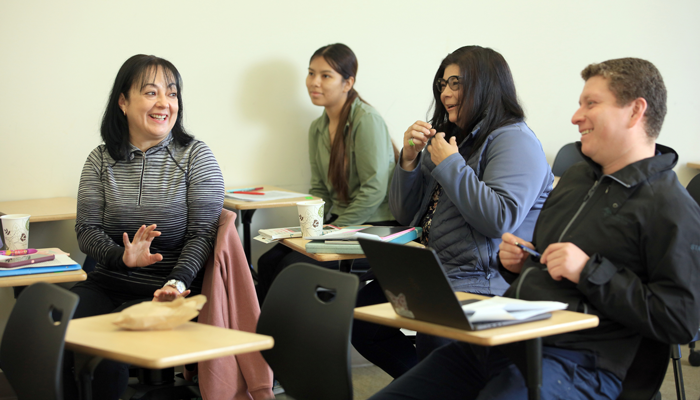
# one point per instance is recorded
(151, 315)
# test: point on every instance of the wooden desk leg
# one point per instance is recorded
(345, 265)
(246, 219)
(84, 368)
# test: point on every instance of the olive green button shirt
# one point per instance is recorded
(370, 166)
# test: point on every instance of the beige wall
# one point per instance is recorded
(244, 63)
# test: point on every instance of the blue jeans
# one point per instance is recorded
(464, 371)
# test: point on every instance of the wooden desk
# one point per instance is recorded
(53, 277)
(248, 209)
(42, 210)
(299, 244)
(530, 332)
(95, 338)
(695, 165)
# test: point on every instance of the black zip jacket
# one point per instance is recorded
(641, 230)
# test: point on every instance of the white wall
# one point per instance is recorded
(244, 64)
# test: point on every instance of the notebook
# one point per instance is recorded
(416, 286)
(39, 270)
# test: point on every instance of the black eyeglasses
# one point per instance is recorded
(453, 81)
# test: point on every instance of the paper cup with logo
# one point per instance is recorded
(15, 231)
(311, 217)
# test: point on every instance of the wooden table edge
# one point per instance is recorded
(49, 277)
(174, 361)
(292, 244)
(535, 329)
(235, 204)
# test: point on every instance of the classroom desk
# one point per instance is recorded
(531, 332)
(299, 244)
(95, 338)
(248, 208)
(42, 210)
(53, 277)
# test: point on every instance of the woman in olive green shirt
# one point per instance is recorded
(351, 172)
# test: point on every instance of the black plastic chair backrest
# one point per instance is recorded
(31, 351)
(647, 372)
(311, 355)
(693, 188)
(566, 157)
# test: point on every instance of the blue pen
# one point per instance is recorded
(250, 189)
(529, 250)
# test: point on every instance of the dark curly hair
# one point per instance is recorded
(630, 79)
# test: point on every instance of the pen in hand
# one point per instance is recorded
(529, 250)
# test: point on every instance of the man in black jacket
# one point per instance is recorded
(619, 237)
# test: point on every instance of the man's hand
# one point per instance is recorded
(513, 257)
(564, 260)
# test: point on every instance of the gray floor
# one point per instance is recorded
(368, 379)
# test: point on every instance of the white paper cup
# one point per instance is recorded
(311, 217)
(15, 231)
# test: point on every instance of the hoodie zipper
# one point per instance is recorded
(143, 172)
(585, 201)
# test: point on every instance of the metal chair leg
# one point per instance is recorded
(677, 370)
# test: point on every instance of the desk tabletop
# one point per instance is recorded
(187, 343)
(42, 210)
(233, 204)
(299, 244)
(52, 277)
(695, 165)
(561, 322)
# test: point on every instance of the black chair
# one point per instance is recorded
(567, 156)
(694, 191)
(309, 313)
(647, 372)
(31, 353)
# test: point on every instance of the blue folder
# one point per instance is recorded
(39, 270)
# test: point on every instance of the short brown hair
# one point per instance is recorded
(632, 78)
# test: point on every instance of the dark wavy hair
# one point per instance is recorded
(487, 96)
(139, 69)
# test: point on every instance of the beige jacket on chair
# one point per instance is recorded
(232, 303)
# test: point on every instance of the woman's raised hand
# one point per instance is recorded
(414, 140)
(137, 253)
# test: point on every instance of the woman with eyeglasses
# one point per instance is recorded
(472, 173)
(351, 154)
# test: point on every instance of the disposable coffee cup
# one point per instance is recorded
(311, 217)
(15, 231)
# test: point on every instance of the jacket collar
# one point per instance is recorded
(325, 121)
(161, 145)
(631, 175)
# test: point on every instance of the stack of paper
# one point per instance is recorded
(61, 263)
(505, 309)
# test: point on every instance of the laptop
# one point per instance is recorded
(415, 284)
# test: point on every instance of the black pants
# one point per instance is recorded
(111, 378)
(387, 347)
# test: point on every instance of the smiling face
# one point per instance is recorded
(326, 87)
(150, 109)
(603, 124)
(451, 99)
